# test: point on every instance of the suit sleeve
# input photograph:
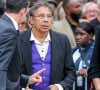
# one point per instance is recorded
(7, 47)
(24, 80)
(94, 70)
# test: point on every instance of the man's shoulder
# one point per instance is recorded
(60, 25)
(6, 26)
(5, 21)
(57, 23)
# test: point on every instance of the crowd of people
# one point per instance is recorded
(49, 45)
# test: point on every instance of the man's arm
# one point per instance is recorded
(7, 47)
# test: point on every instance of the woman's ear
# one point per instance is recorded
(91, 36)
(30, 21)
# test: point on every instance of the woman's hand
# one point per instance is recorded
(81, 72)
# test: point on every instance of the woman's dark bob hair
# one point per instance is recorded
(88, 27)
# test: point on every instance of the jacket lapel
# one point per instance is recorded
(54, 55)
(27, 55)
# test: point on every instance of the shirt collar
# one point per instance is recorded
(14, 22)
(32, 38)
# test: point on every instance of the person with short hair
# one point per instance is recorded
(10, 54)
(96, 22)
(44, 48)
(82, 53)
(68, 24)
(90, 11)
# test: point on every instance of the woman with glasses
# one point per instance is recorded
(44, 48)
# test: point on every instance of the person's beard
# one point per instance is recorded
(76, 17)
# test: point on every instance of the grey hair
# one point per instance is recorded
(38, 4)
(84, 8)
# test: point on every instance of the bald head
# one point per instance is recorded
(68, 2)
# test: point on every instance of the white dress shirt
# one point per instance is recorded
(41, 47)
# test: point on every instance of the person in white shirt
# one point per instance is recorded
(45, 48)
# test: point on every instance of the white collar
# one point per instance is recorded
(32, 38)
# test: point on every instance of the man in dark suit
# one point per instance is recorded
(94, 70)
(44, 48)
(10, 61)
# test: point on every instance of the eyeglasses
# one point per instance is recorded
(42, 16)
(92, 11)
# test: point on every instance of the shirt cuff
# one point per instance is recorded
(59, 86)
